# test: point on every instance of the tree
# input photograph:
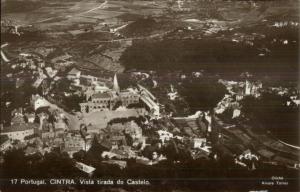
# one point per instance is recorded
(58, 165)
(272, 113)
(14, 159)
(117, 105)
(72, 102)
(63, 85)
(203, 95)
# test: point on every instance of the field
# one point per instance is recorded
(97, 33)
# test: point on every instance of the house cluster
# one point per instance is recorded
(44, 125)
(239, 89)
(279, 24)
(47, 131)
(247, 159)
(236, 92)
(37, 65)
(122, 139)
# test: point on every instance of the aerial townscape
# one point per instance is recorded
(169, 95)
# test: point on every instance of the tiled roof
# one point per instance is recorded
(20, 127)
(102, 95)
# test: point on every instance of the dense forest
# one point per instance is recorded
(217, 56)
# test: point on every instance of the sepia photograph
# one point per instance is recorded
(150, 95)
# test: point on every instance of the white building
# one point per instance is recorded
(153, 107)
(74, 74)
(150, 101)
(199, 143)
(38, 101)
(236, 113)
(85, 168)
(164, 135)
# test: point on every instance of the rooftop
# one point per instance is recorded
(19, 127)
(73, 71)
(105, 95)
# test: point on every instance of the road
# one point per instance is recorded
(101, 6)
(91, 10)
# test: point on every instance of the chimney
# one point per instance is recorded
(116, 84)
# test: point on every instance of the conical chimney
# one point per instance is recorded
(116, 84)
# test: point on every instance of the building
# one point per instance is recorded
(99, 102)
(18, 131)
(81, 77)
(164, 135)
(199, 143)
(108, 99)
(75, 143)
(149, 100)
(74, 74)
(30, 117)
(252, 88)
(85, 168)
(38, 101)
(4, 142)
(101, 98)
(116, 84)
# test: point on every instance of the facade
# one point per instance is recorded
(75, 143)
(150, 101)
(164, 135)
(107, 99)
(19, 131)
(85, 168)
(252, 88)
(80, 78)
(199, 143)
(74, 74)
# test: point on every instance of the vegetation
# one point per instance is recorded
(51, 165)
(212, 55)
(202, 95)
(272, 113)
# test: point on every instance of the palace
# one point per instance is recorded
(113, 98)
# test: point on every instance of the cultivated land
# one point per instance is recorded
(100, 31)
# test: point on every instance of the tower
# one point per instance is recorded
(116, 84)
(247, 88)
